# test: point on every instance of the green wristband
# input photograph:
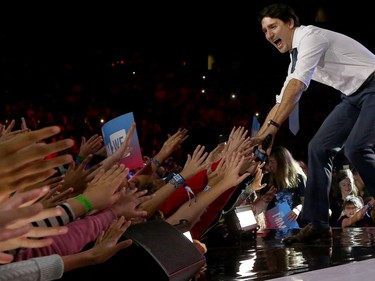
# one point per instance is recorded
(86, 203)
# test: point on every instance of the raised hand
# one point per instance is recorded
(125, 148)
(16, 215)
(258, 140)
(120, 153)
(215, 176)
(269, 195)
(257, 181)
(103, 191)
(107, 243)
(127, 204)
(232, 176)
(143, 176)
(54, 197)
(236, 138)
(216, 154)
(195, 163)
(35, 237)
(172, 143)
(77, 176)
(91, 146)
(52, 182)
(6, 129)
(191, 211)
(23, 159)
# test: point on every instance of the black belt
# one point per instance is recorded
(364, 84)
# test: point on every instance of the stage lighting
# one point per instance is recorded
(245, 218)
(241, 222)
(184, 226)
(188, 236)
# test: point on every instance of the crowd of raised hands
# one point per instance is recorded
(49, 214)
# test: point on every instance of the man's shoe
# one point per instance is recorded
(310, 235)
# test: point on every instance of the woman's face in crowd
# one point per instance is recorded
(271, 164)
(346, 186)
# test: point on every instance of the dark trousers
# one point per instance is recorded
(350, 126)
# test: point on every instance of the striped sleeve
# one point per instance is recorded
(67, 217)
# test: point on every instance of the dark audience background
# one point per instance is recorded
(73, 66)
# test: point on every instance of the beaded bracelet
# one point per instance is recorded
(86, 203)
(155, 162)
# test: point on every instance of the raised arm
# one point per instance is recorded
(192, 210)
(194, 164)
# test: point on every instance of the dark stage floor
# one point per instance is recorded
(264, 257)
(161, 252)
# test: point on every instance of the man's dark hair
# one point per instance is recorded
(279, 11)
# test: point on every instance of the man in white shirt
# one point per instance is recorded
(338, 61)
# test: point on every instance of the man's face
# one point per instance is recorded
(278, 33)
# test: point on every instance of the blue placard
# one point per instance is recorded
(114, 133)
(276, 217)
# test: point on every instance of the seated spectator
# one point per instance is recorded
(355, 214)
(342, 186)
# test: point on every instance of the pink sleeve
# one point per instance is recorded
(81, 232)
